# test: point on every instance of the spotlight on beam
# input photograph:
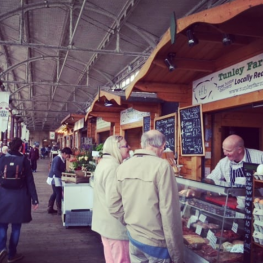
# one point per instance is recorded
(192, 40)
(169, 62)
(227, 40)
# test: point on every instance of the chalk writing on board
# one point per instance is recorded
(146, 123)
(191, 130)
(167, 127)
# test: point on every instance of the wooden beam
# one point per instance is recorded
(240, 54)
(173, 97)
(244, 27)
(103, 108)
(249, 98)
(156, 87)
(107, 116)
(110, 96)
(218, 37)
(154, 108)
(188, 64)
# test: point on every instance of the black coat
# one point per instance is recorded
(15, 205)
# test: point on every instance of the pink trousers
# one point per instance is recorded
(116, 251)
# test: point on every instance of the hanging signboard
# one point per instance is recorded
(238, 79)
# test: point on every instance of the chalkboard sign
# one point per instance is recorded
(191, 131)
(167, 125)
(249, 170)
(146, 123)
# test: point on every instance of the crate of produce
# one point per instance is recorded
(74, 178)
(81, 173)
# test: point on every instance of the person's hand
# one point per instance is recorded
(187, 193)
(35, 207)
(208, 181)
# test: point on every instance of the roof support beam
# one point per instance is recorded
(76, 49)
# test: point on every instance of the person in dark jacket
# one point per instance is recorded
(15, 207)
(58, 166)
(33, 157)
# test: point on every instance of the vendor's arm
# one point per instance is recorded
(217, 176)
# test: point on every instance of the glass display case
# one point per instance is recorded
(213, 219)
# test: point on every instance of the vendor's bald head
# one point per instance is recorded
(234, 148)
(153, 140)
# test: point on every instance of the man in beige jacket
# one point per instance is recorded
(147, 201)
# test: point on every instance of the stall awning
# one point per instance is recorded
(118, 101)
(221, 37)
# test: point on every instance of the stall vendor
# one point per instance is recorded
(229, 170)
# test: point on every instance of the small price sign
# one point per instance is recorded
(198, 230)
(212, 239)
(234, 227)
(202, 218)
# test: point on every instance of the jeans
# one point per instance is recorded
(138, 256)
(56, 195)
(34, 165)
(14, 238)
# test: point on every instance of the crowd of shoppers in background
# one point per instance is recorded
(33, 157)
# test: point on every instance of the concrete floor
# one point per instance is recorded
(45, 240)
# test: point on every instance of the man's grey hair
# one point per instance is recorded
(155, 140)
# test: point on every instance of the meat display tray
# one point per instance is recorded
(221, 200)
(214, 209)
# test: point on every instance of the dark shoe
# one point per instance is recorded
(3, 254)
(15, 258)
(51, 210)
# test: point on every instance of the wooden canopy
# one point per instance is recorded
(144, 102)
(241, 20)
(72, 118)
(68, 123)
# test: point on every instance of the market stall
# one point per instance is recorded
(213, 59)
(110, 113)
